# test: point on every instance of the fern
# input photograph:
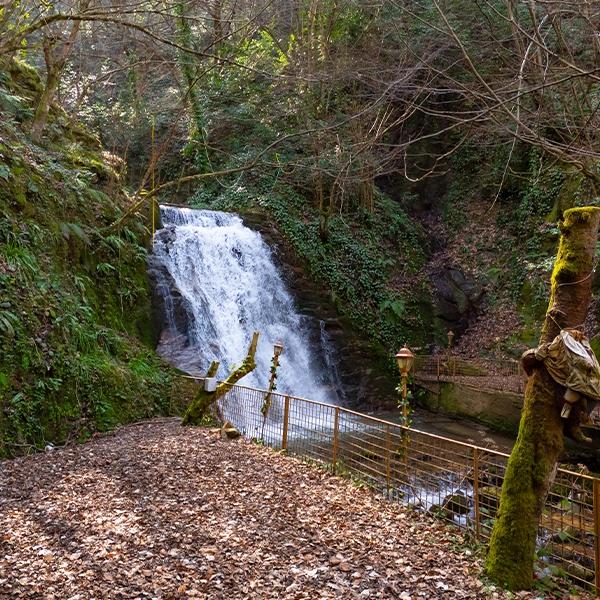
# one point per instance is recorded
(105, 268)
(19, 257)
(74, 230)
(9, 322)
(114, 242)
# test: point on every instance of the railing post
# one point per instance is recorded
(596, 508)
(476, 491)
(520, 377)
(286, 418)
(336, 435)
(388, 459)
(438, 368)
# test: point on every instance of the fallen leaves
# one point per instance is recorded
(161, 511)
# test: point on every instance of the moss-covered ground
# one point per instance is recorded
(75, 327)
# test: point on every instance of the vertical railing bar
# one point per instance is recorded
(476, 491)
(596, 510)
(336, 435)
(286, 416)
(388, 458)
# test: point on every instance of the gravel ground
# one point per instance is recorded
(161, 511)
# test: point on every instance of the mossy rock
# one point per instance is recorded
(457, 504)
(489, 497)
(371, 455)
(579, 572)
(437, 511)
(25, 78)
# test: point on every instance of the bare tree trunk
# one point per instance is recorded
(55, 63)
(532, 464)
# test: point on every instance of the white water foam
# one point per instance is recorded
(231, 286)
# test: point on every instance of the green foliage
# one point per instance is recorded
(9, 323)
(356, 261)
(73, 299)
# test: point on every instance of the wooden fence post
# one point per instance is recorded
(388, 459)
(286, 418)
(596, 508)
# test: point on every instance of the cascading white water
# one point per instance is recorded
(231, 287)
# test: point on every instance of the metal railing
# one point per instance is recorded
(455, 481)
(501, 375)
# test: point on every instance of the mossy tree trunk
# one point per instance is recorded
(43, 105)
(188, 67)
(201, 404)
(532, 464)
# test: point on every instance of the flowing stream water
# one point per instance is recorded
(219, 283)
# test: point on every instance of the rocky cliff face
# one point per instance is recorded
(365, 376)
(457, 298)
(170, 310)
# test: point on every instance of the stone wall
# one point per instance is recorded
(499, 409)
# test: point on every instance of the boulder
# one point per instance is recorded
(457, 298)
(457, 503)
(228, 431)
(489, 497)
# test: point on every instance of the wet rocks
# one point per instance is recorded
(457, 503)
(170, 308)
(457, 298)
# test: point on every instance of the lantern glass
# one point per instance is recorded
(278, 348)
(405, 360)
(450, 337)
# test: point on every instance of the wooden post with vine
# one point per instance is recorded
(277, 350)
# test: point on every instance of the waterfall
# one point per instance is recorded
(218, 284)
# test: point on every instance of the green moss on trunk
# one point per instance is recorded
(529, 474)
(533, 461)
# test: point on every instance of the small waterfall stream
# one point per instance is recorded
(218, 283)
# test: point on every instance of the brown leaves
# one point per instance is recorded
(161, 511)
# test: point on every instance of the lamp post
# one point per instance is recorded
(277, 350)
(450, 335)
(405, 360)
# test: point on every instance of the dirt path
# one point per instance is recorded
(161, 511)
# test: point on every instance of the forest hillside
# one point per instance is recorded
(413, 158)
(76, 327)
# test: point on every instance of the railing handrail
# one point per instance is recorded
(390, 423)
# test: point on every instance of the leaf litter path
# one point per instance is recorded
(161, 511)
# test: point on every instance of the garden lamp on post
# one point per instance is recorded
(405, 359)
(450, 335)
(277, 349)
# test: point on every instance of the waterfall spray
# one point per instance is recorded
(231, 287)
